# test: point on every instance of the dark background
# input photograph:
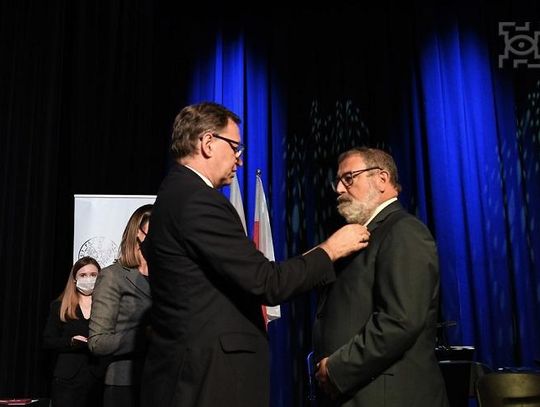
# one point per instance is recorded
(88, 93)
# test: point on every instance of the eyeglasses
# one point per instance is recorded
(348, 178)
(237, 147)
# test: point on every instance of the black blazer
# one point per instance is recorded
(71, 359)
(209, 345)
(377, 322)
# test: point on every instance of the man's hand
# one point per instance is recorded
(324, 380)
(347, 240)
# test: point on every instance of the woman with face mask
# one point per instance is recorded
(119, 321)
(77, 373)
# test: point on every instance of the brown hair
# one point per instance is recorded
(129, 246)
(70, 296)
(193, 121)
(374, 157)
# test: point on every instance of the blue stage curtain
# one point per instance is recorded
(237, 75)
(480, 191)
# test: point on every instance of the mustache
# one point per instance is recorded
(343, 199)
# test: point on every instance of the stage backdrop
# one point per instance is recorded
(99, 222)
(90, 93)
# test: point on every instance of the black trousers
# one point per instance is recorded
(82, 390)
(121, 396)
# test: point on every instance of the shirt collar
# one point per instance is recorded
(206, 180)
(380, 208)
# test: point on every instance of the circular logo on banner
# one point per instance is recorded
(102, 249)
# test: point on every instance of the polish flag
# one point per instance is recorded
(262, 236)
(236, 199)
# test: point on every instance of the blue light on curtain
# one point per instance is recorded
(484, 227)
(236, 74)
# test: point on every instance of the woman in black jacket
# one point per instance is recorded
(77, 375)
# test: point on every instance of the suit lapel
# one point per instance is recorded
(344, 263)
(139, 281)
(382, 215)
(374, 224)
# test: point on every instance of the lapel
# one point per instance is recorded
(341, 264)
(382, 215)
(138, 280)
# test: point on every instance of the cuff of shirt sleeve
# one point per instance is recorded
(331, 375)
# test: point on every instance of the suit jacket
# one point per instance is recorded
(209, 345)
(119, 321)
(71, 359)
(377, 322)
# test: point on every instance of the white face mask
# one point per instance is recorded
(85, 285)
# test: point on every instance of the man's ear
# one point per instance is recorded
(383, 180)
(206, 145)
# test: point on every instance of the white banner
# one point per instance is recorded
(99, 223)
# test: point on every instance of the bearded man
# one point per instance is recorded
(374, 334)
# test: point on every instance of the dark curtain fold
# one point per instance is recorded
(479, 187)
(77, 116)
(31, 75)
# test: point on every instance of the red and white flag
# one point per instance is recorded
(262, 236)
(236, 199)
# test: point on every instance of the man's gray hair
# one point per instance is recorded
(374, 157)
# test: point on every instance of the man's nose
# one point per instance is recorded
(340, 188)
(239, 161)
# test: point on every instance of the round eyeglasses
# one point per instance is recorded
(348, 178)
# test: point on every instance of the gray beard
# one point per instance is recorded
(355, 211)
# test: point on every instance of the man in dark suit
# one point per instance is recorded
(209, 345)
(374, 333)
